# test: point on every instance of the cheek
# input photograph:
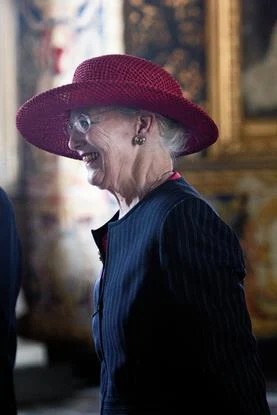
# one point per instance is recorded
(100, 138)
(114, 143)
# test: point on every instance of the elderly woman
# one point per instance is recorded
(171, 325)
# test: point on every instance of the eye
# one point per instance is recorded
(83, 123)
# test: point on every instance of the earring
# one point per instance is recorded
(138, 139)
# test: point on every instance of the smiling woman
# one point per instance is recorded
(171, 284)
(101, 138)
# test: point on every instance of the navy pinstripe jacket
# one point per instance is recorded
(171, 326)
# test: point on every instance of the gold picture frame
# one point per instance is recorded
(239, 136)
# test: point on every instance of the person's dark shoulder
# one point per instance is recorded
(7, 214)
(5, 200)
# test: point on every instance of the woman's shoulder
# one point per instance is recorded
(172, 192)
(179, 200)
(164, 201)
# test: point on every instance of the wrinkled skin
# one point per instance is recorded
(113, 162)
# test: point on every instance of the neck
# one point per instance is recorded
(127, 203)
(161, 179)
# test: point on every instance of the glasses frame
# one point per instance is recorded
(77, 125)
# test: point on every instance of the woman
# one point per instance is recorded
(171, 326)
(10, 279)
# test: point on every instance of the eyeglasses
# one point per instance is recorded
(82, 124)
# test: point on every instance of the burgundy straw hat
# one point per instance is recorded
(117, 79)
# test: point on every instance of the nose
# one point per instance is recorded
(75, 141)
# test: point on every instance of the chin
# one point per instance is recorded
(95, 181)
(91, 179)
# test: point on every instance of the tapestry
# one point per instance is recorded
(60, 207)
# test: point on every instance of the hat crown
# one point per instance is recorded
(127, 69)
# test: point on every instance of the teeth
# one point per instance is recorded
(89, 157)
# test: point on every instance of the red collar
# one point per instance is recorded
(175, 175)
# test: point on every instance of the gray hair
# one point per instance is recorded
(174, 136)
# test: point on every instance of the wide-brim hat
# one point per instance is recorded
(112, 80)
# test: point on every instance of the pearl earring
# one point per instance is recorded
(138, 139)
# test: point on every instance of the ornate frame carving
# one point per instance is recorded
(238, 135)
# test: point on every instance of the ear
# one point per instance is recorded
(144, 123)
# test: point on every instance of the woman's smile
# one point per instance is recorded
(90, 157)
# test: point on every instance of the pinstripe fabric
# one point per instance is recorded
(173, 330)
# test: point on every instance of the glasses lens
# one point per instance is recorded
(82, 123)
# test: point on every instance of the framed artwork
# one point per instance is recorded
(242, 76)
(172, 34)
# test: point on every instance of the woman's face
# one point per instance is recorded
(103, 138)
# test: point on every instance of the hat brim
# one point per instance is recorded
(42, 119)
